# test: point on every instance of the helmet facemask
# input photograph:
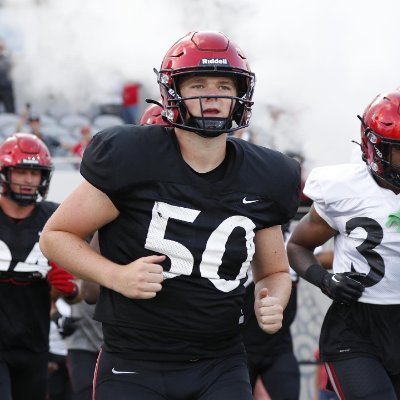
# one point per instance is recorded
(380, 138)
(25, 199)
(178, 115)
(377, 153)
(205, 53)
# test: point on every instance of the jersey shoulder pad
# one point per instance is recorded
(272, 175)
(49, 206)
(337, 182)
(115, 153)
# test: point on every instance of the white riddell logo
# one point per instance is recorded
(114, 371)
(245, 201)
(205, 61)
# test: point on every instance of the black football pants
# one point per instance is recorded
(211, 379)
(23, 375)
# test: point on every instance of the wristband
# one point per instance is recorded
(315, 274)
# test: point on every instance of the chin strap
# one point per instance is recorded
(209, 123)
(23, 199)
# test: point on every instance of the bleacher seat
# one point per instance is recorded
(9, 129)
(47, 119)
(105, 121)
(8, 119)
(72, 121)
(56, 131)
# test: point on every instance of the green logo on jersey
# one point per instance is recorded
(394, 218)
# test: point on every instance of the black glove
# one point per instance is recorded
(345, 287)
(66, 326)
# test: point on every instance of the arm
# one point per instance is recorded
(310, 232)
(82, 213)
(90, 290)
(272, 280)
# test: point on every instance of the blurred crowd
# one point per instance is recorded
(65, 133)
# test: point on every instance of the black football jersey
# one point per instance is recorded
(24, 290)
(206, 230)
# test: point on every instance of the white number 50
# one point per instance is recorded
(182, 259)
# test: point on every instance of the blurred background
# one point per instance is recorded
(318, 63)
(79, 66)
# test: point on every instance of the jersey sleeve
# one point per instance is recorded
(274, 177)
(291, 201)
(97, 165)
(314, 190)
(284, 176)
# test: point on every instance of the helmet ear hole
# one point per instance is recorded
(152, 115)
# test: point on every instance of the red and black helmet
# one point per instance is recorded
(380, 130)
(24, 150)
(206, 53)
(152, 115)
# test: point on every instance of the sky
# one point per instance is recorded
(318, 63)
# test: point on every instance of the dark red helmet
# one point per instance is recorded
(380, 130)
(24, 150)
(152, 115)
(206, 53)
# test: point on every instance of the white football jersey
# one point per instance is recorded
(367, 218)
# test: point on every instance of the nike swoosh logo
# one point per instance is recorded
(249, 201)
(115, 371)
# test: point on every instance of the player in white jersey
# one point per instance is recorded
(359, 205)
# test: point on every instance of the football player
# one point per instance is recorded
(152, 115)
(181, 211)
(359, 205)
(25, 274)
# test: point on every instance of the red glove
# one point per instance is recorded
(63, 281)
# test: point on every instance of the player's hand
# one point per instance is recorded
(141, 279)
(66, 326)
(345, 287)
(269, 312)
(63, 281)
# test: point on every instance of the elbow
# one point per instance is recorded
(44, 244)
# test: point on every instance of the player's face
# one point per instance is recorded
(205, 86)
(25, 180)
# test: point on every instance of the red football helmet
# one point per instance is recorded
(152, 115)
(24, 150)
(380, 131)
(205, 53)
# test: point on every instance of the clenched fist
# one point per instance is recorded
(269, 312)
(141, 279)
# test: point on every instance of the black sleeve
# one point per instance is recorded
(98, 161)
(290, 192)
(119, 158)
(282, 179)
